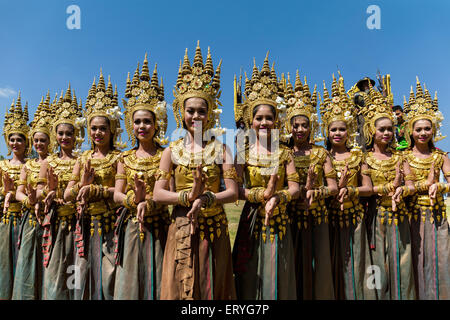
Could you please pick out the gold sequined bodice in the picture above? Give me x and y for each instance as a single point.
(33, 169)
(187, 161)
(105, 168)
(13, 170)
(258, 170)
(145, 168)
(63, 170)
(354, 166)
(421, 167)
(382, 171)
(317, 158)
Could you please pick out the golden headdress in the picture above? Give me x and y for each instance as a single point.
(376, 107)
(103, 102)
(42, 121)
(68, 111)
(198, 81)
(300, 103)
(421, 106)
(262, 88)
(144, 93)
(338, 108)
(16, 122)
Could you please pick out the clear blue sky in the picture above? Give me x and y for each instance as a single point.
(39, 53)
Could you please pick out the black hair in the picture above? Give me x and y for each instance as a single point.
(397, 107)
(272, 109)
(20, 135)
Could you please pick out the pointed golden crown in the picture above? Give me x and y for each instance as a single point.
(262, 88)
(300, 102)
(421, 106)
(338, 108)
(103, 102)
(376, 107)
(145, 93)
(16, 120)
(200, 81)
(68, 111)
(43, 118)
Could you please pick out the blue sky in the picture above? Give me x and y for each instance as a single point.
(39, 53)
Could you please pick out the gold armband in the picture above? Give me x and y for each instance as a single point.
(74, 178)
(21, 182)
(410, 177)
(162, 175)
(421, 186)
(293, 177)
(285, 196)
(405, 191)
(230, 174)
(42, 180)
(366, 172)
(120, 176)
(128, 202)
(256, 195)
(183, 198)
(447, 174)
(74, 190)
(211, 199)
(332, 174)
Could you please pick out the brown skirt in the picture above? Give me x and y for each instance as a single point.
(196, 267)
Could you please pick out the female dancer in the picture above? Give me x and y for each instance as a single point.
(142, 226)
(263, 254)
(92, 184)
(429, 224)
(29, 271)
(59, 222)
(15, 131)
(310, 223)
(390, 249)
(350, 250)
(197, 257)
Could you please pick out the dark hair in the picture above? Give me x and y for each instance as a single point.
(111, 139)
(272, 109)
(290, 142)
(19, 134)
(73, 128)
(397, 107)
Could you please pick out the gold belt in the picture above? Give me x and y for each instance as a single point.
(66, 210)
(211, 212)
(15, 207)
(97, 208)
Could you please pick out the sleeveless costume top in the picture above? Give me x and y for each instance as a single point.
(15, 207)
(420, 169)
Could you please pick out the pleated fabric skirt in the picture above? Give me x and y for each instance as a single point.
(29, 269)
(9, 236)
(61, 275)
(391, 268)
(198, 266)
(430, 251)
(94, 258)
(139, 268)
(263, 265)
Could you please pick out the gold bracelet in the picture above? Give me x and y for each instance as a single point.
(74, 178)
(211, 199)
(162, 175)
(410, 177)
(21, 182)
(405, 191)
(183, 198)
(230, 174)
(120, 177)
(105, 194)
(26, 203)
(150, 204)
(129, 201)
(42, 180)
(332, 174)
(293, 177)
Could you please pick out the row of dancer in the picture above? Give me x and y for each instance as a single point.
(329, 223)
